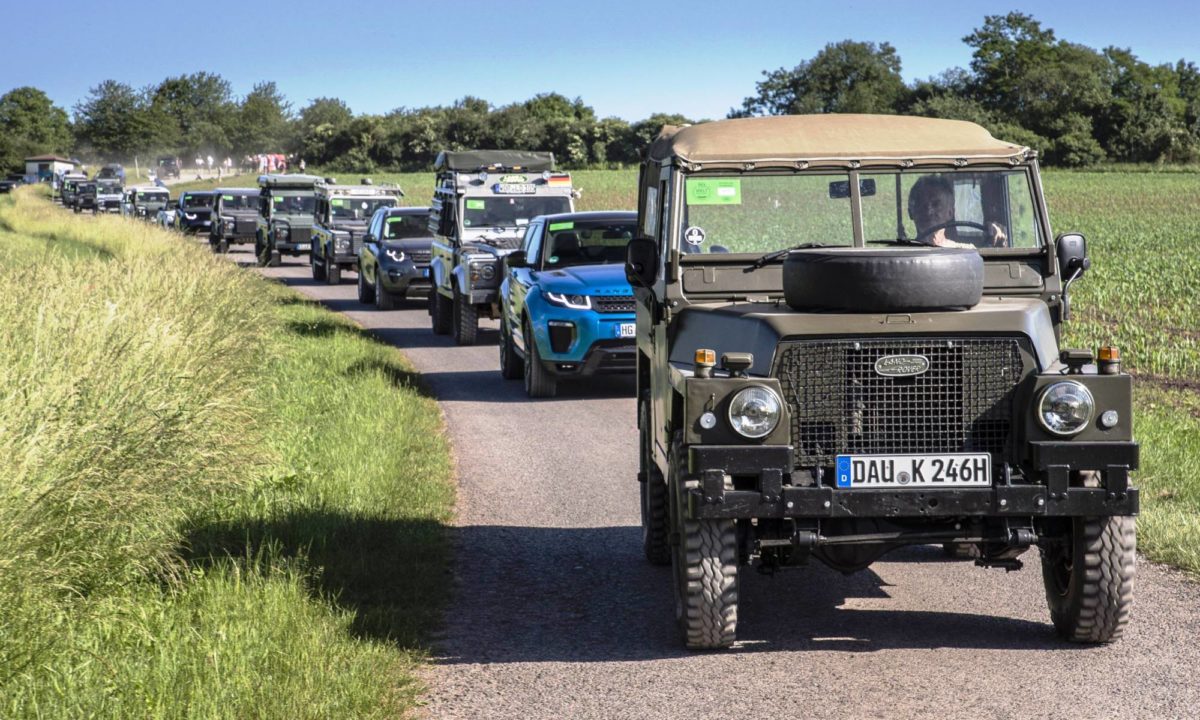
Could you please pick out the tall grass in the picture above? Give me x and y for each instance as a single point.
(177, 538)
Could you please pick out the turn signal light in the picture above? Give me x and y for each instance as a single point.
(1108, 360)
(1108, 353)
(706, 360)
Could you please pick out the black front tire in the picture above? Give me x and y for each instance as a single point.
(466, 320)
(539, 382)
(318, 268)
(1089, 578)
(275, 259)
(439, 313)
(384, 300)
(656, 516)
(510, 361)
(333, 272)
(222, 246)
(366, 293)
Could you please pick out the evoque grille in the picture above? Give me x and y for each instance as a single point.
(840, 404)
(614, 303)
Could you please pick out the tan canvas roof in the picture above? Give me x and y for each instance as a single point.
(832, 139)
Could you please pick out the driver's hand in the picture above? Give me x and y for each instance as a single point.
(996, 235)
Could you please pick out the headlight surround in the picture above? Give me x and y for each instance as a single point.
(394, 254)
(341, 245)
(1065, 408)
(754, 411)
(574, 302)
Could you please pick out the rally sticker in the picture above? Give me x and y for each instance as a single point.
(555, 227)
(475, 205)
(694, 235)
(704, 191)
(336, 202)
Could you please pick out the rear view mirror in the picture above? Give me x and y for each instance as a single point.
(1073, 262)
(641, 262)
(516, 259)
(841, 188)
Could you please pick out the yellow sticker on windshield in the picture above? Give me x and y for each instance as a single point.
(705, 191)
(475, 205)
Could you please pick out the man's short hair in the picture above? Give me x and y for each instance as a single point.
(927, 184)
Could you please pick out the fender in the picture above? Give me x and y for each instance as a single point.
(461, 280)
(437, 273)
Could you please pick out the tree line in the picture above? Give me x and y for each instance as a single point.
(1076, 105)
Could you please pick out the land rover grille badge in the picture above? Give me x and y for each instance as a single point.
(901, 365)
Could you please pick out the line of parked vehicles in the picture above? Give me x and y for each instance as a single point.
(845, 332)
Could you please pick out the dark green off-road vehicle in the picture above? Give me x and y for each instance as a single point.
(284, 224)
(483, 201)
(848, 342)
(341, 218)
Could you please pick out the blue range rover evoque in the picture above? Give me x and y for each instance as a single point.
(566, 308)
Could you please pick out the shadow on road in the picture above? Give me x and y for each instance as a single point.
(531, 594)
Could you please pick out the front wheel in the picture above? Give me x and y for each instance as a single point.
(318, 270)
(656, 518)
(539, 382)
(439, 313)
(366, 293)
(466, 320)
(704, 564)
(333, 272)
(1089, 578)
(510, 361)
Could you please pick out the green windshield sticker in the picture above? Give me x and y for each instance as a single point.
(337, 202)
(475, 205)
(393, 221)
(555, 227)
(226, 197)
(278, 200)
(703, 191)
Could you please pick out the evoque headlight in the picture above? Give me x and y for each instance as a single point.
(1065, 408)
(754, 411)
(394, 254)
(575, 302)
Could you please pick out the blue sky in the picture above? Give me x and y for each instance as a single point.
(627, 58)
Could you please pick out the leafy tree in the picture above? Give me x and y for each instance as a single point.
(263, 122)
(844, 77)
(113, 121)
(202, 109)
(30, 124)
(318, 123)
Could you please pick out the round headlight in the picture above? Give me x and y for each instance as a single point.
(487, 272)
(1065, 408)
(754, 411)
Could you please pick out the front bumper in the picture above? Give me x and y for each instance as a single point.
(195, 226)
(582, 342)
(291, 248)
(405, 278)
(1053, 496)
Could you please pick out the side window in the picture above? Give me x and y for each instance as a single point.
(533, 248)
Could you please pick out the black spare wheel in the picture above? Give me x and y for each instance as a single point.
(906, 279)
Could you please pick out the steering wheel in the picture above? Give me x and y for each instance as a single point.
(943, 226)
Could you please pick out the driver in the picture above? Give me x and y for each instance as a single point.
(931, 207)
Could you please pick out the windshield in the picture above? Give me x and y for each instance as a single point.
(295, 204)
(763, 213)
(197, 201)
(153, 197)
(586, 243)
(358, 208)
(108, 188)
(239, 202)
(403, 227)
(510, 211)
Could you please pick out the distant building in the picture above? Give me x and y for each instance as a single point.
(40, 168)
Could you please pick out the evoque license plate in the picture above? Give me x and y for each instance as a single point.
(918, 472)
(627, 330)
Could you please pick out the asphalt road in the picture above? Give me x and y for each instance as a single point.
(556, 615)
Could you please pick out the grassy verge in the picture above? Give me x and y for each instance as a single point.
(219, 500)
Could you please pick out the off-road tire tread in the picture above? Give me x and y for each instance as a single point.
(366, 293)
(711, 599)
(656, 519)
(333, 273)
(465, 321)
(384, 300)
(318, 269)
(439, 314)
(1099, 608)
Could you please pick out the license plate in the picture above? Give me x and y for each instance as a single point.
(917, 472)
(627, 330)
(303, 246)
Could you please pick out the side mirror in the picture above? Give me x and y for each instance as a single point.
(516, 259)
(1073, 262)
(368, 237)
(641, 262)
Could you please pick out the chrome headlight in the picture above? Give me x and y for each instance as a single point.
(755, 411)
(1065, 408)
(487, 272)
(575, 302)
(281, 232)
(341, 245)
(394, 255)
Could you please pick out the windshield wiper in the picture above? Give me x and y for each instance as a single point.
(900, 241)
(780, 253)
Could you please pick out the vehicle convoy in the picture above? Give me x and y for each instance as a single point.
(109, 194)
(235, 213)
(340, 221)
(84, 197)
(70, 188)
(393, 262)
(482, 202)
(168, 167)
(566, 307)
(145, 201)
(848, 342)
(192, 212)
(284, 222)
(111, 171)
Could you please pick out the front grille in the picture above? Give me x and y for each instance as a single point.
(300, 235)
(614, 303)
(840, 404)
(421, 257)
(245, 226)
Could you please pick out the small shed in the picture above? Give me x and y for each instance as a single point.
(44, 167)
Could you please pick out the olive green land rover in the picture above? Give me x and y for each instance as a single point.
(848, 335)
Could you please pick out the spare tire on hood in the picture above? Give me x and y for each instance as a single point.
(904, 279)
